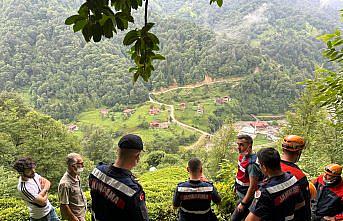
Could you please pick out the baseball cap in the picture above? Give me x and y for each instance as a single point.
(131, 141)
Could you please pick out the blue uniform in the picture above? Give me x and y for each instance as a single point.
(116, 195)
(194, 199)
(278, 198)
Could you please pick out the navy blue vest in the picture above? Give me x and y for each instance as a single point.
(194, 199)
(116, 195)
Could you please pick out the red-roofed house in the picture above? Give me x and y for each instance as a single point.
(154, 111)
(128, 112)
(259, 124)
(103, 112)
(72, 128)
(156, 124)
(220, 101)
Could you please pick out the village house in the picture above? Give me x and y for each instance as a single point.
(259, 124)
(154, 111)
(248, 130)
(72, 128)
(128, 112)
(226, 99)
(222, 100)
(183, 106)
(200, 110)
(160, 125)
(104, 112)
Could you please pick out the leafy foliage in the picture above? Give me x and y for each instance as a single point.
(30, 133)
(311, 121)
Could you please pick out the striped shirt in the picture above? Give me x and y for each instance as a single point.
(28, 191)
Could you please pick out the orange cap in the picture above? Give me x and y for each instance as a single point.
(293, 143)
(333, 169)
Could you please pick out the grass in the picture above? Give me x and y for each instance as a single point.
(203, 96)
(190, 116)
(205, 92)
(132, 123)
(261, 140)
(120, 121)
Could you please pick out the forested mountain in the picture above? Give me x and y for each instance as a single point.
(271, 43)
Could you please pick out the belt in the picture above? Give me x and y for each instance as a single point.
(198, 212)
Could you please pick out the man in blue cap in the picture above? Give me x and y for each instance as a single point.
(116, 195)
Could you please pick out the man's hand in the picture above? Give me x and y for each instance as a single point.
(240, 207)
(45, 184)
(330, 218)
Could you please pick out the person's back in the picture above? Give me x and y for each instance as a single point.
(278, 194)
(279, 197)
(116, 195)
(109, 183)
(193, 197)
(292, 147)
(303, 214)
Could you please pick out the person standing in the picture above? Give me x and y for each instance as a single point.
(73, 203)
(193, 197)
(33, 189)
(292, 147)
(280, 195)
(329, 201)
(116, 194)
(247, 177)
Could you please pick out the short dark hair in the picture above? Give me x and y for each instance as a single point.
(24, 163)
(270, 158)
(245, 137)
(194, 164)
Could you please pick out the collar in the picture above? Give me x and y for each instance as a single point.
(120, 170)
(77, 179)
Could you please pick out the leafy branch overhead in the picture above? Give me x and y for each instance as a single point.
(96, 19)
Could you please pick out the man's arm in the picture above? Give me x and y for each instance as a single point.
(252, 217)
(65, 209)
(41, 200)
(63, 195)
(215, 196)
(250, 193)
(176, 199)
(42, 197)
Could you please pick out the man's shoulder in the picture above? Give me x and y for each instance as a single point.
(65, 180)
(184, 183)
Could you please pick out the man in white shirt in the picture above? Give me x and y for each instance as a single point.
(33, 189)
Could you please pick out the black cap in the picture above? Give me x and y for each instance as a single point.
(131, 141)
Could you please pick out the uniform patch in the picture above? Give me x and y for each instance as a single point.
(257, 194)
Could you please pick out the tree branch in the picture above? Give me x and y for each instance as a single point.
(146, 13)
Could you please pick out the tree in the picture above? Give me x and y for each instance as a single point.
(25, 132)
(312, 122)
(98, 144)
(96, 19)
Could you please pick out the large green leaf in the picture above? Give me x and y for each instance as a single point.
(79, 25)
(97, 32)
(73, 19)
(130, 37)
